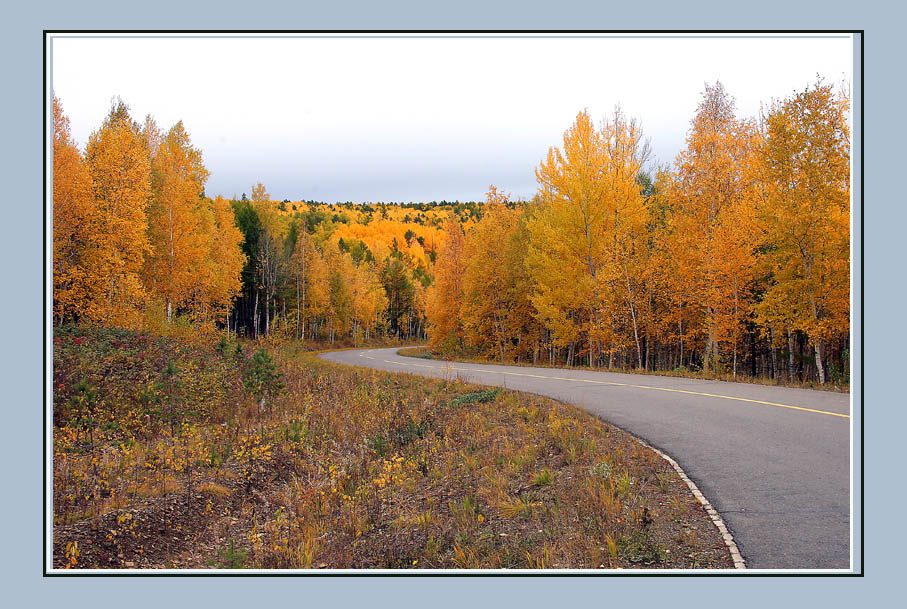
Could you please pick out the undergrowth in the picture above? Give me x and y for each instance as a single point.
(170, 452)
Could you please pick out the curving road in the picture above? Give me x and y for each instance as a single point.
(775, 462)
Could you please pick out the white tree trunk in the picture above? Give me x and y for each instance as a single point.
(255, 316)
(820, 354)
(790, 354)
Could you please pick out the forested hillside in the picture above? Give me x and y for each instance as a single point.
(734, 259)
(139, 244)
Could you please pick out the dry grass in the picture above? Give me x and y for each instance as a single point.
(355, 468)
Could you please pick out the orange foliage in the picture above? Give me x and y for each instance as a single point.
(117, 238)
(444, 299)
(72, 222)
(713, 233)
(180, 223)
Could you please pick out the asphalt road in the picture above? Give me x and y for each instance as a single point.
(774, 462)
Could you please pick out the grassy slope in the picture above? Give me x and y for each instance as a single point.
(347, 468)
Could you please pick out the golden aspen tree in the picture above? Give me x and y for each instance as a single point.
(119, 165)
(417, 310)
(368, 299)
(713, 235)
(496, 313)
(584, 233)
(318, 291)
(566, 252)
(269, 256)
(198, 303)
(667, 312)
(260, 193)
(299, 264)
(339, 305)
(73, 223)
(625, 228)
(523, 329)
(644, 276)
(377, 307)
(484, 308)
(444, 302)
(225, 258)
(806, 216)
(179, 244)
(311, 280)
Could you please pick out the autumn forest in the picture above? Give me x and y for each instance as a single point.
(733, 260)
(194, 425)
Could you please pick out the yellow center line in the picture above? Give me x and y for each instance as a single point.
(560, 378)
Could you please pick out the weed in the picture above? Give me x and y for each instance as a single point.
(409, 433)
(72, 554)
(678, 507)
(464, 558)
(232, 557)
(465, 512)
(641, 548)
(542, 560)
(378, 443)
(295, 431)
(571, 456)
(543, 478)
(476, 397)
(624, 483)
(217, 455)
(601, 470)
(522, 507)
(612, 546)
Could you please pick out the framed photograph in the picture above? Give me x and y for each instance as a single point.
(444, 303)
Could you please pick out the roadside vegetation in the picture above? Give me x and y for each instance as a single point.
(423, 352)
(196, 450)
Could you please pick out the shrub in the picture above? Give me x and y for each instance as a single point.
(261, 378)
(232, 557)
(476, 397)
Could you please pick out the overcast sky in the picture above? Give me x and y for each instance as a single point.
(416, 119)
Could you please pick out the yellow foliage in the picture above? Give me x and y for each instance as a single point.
(116, 240)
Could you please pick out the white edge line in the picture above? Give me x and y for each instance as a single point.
(736, 556)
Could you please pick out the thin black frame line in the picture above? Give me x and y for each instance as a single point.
(656, 33)
(44, 206)
(862, 307)
(408, 573)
